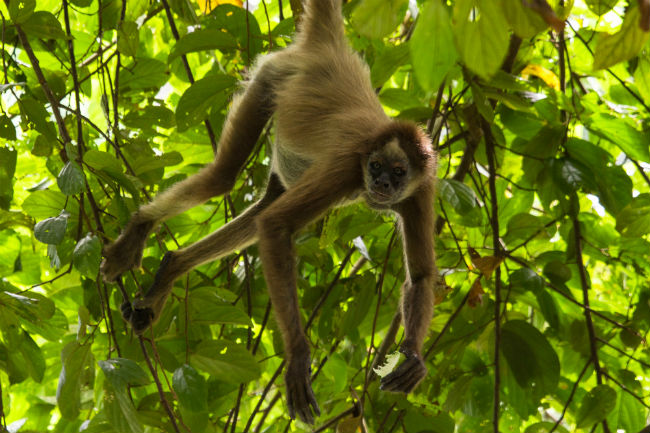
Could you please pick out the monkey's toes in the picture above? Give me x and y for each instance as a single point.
(406, 377)
(301, 401)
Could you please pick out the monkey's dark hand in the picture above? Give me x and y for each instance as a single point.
(126, 252)
(300, 396)
(146, 310)
(140, 318)
(406, 377)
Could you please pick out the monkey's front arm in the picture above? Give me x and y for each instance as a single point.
(417, 226)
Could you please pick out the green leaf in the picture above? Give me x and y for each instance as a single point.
(44, 25)
(107, 164)
(8, 160)
(191, 388)
(117, 400)
(595, 406)
(38, 115)
(42, 146)
(458, 195)
(75, 358)
(71, 179)
(600, 7)
(144, 74)
(527, 279)
(194, 105)
(241, 24)
(203, 40)
(387, 62)
(525, 22)
(44, 203)
(34, 361)
(622, 134)
(124, 371)
(150, 116)
(544, 427)
(377, 18)
(634, 220)
(52, 230)
(531, 358)
(481, 34)
(623, 45)
(86, 256)
(20, 10)
(7, 128)
(146, 163)
(206, 306)
(642, 75)
(432, 46)
(128, 38)
(226, 361)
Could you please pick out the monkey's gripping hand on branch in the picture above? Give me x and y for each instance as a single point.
(405, 377)
(300, 396)
(145, 311)
(126, 252)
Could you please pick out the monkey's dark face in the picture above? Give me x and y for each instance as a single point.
(386, 175)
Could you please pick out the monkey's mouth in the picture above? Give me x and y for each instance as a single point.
(379, 197)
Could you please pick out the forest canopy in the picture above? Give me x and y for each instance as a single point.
(539, 111)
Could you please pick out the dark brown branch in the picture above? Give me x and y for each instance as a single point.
(188, 71)
(63, 132)
(161, 391)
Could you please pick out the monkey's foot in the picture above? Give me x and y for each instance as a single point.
(140, 318)
(300, 396)
(126, 252)
(145, 311)
(406, 377)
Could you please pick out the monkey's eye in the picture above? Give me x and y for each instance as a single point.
(375, 165)
(398, 171)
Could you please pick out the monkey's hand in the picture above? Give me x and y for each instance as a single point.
(406, 377)
(300, 396)
(143, 312)
(126, 252)
(140, 317)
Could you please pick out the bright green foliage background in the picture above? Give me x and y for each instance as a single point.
(544, 144)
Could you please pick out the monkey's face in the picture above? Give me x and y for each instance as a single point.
(386, 175)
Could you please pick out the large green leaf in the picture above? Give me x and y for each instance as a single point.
(595, 406)
(226, 361)
(481, 35)
(75, 358)
(87, 255)
(200, 97)
(634, 219)
(203, 40)
(42, 24)
(432, 46)
(623, 45)
(191, 388)
(530, 357)
(71, 179)
(52, 230)
(378, 18)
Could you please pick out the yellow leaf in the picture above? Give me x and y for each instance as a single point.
(542, 73)
(208, 6)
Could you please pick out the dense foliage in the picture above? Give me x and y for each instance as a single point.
(543, 220)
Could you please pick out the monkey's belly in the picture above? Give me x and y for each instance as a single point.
(288, 165)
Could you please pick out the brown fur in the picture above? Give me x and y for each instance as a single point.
(329, 121)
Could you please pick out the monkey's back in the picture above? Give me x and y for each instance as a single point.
(326, 102)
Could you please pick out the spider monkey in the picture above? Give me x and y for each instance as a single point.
(334, 145)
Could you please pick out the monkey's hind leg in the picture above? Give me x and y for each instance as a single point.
(250, 111)
(237, 234)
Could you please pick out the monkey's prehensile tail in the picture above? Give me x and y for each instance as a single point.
(322, 23)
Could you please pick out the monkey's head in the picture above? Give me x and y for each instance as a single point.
(399, 158)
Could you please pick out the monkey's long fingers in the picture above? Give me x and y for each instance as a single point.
(406, 377)
(301, 401)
